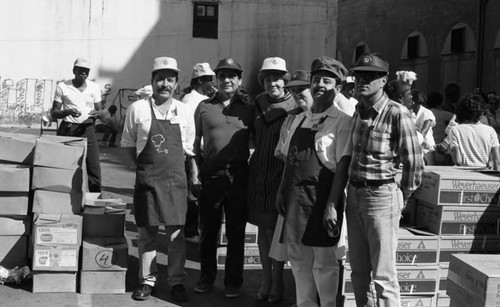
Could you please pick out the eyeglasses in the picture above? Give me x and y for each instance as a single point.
(368, 75)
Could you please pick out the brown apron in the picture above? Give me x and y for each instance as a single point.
(160, 186)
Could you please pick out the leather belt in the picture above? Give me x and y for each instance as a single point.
(370, 183)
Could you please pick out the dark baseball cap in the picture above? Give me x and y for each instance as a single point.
(328, 64)
(300, 78)
(371, 62)
(228, 63)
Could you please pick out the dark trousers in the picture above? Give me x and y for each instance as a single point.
(107, 130)
(228, 192)
(191, 226)
(86, 130)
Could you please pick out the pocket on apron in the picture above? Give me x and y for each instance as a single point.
(144, 180)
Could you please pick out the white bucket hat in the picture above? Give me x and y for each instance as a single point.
(82, 62)
(202, 69)
(165, 63)
(274, 63)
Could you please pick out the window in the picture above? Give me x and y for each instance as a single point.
(412, 47)
(457, 40)
(205, 20)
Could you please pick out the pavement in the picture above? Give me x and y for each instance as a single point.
(118, 175)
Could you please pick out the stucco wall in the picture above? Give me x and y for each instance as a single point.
(41, 39)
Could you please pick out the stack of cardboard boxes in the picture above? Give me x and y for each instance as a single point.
(105, 249)
(59, 183)
(461, 207)
(251, 258)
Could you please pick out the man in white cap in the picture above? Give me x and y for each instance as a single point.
(77, 102)
(202, 80)
(159, 134)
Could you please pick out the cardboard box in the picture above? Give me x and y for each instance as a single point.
(60, 152)
(104, 254)
(52, 229)
(57, 179)
(251, 232)
(51, 202)
(443, 277)
(251, 258)
(102, 282)
(15, 246)
(16, 203)
(413, 279)
(450, 185)
(415, 247)
(479, 275)
(56, 258)
(17, 147)
(449, 245)
(93, 199)
(458, 220)
(406, 301)
(443, 300)
(104, 221)
(14, 178)
(54, 282)
(462, 297)
(15, 225)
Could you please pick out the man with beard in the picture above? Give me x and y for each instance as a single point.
(224, 122)
(310, 196)
(383, 137)
(159, 135)
(77, 102)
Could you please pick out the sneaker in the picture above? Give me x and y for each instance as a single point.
(202, 287)
(143, 293)
(232, 292)
(179, 293)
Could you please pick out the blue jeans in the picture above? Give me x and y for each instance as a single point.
(373, 215)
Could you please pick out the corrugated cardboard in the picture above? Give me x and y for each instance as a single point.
(103, 221)
(102, 282)
(50, 229)
(57, 202)
(450, 185)
(55, 258)
(54, 282)
(467, 244)
(15, 246)
(57, 179)
(14, 203)
(251, 232)
(413, 279)
(415, 247)
(443, 300)
(443, 277)
(15, 225)
(406, 301)
(104, 254)
(251, 257)
(17, 147)
(67, 154)
(14, 178)
(479, 274)
(462, 297)
(458, 220)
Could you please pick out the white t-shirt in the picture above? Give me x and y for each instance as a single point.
(193, 98)
(421, 117)
(474, 141)
(71, 97)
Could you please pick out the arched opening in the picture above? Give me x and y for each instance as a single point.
(414, 57)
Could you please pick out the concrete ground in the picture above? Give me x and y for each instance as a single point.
(118, 180)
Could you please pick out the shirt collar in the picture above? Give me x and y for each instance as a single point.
(332, 111)
(377, 107)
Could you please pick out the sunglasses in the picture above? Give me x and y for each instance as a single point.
(368, 75)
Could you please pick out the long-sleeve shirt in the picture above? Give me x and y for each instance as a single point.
(384, 136)
(138, 123)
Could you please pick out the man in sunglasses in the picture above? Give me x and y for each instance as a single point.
(383, 137)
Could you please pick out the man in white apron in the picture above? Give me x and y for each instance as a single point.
(159, 134)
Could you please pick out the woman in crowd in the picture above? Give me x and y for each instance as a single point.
(272, 107)
(424, 122)
(471, 142)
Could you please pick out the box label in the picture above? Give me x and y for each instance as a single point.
(56, 235)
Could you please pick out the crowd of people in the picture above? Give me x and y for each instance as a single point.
(317, 146)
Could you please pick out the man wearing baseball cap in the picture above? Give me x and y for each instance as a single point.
(159, 135)
(317, 150)
(201, 85)
(224, 122)
(77, 102)
(383, 137)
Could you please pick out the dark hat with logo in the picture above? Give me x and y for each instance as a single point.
(300, 78)
(328, 64)
(371, 62)
(228, 63)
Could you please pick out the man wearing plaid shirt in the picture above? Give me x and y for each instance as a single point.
(384, 137)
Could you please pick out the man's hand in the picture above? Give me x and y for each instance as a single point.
(330, 220)
(96, 113)
(74, 112)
